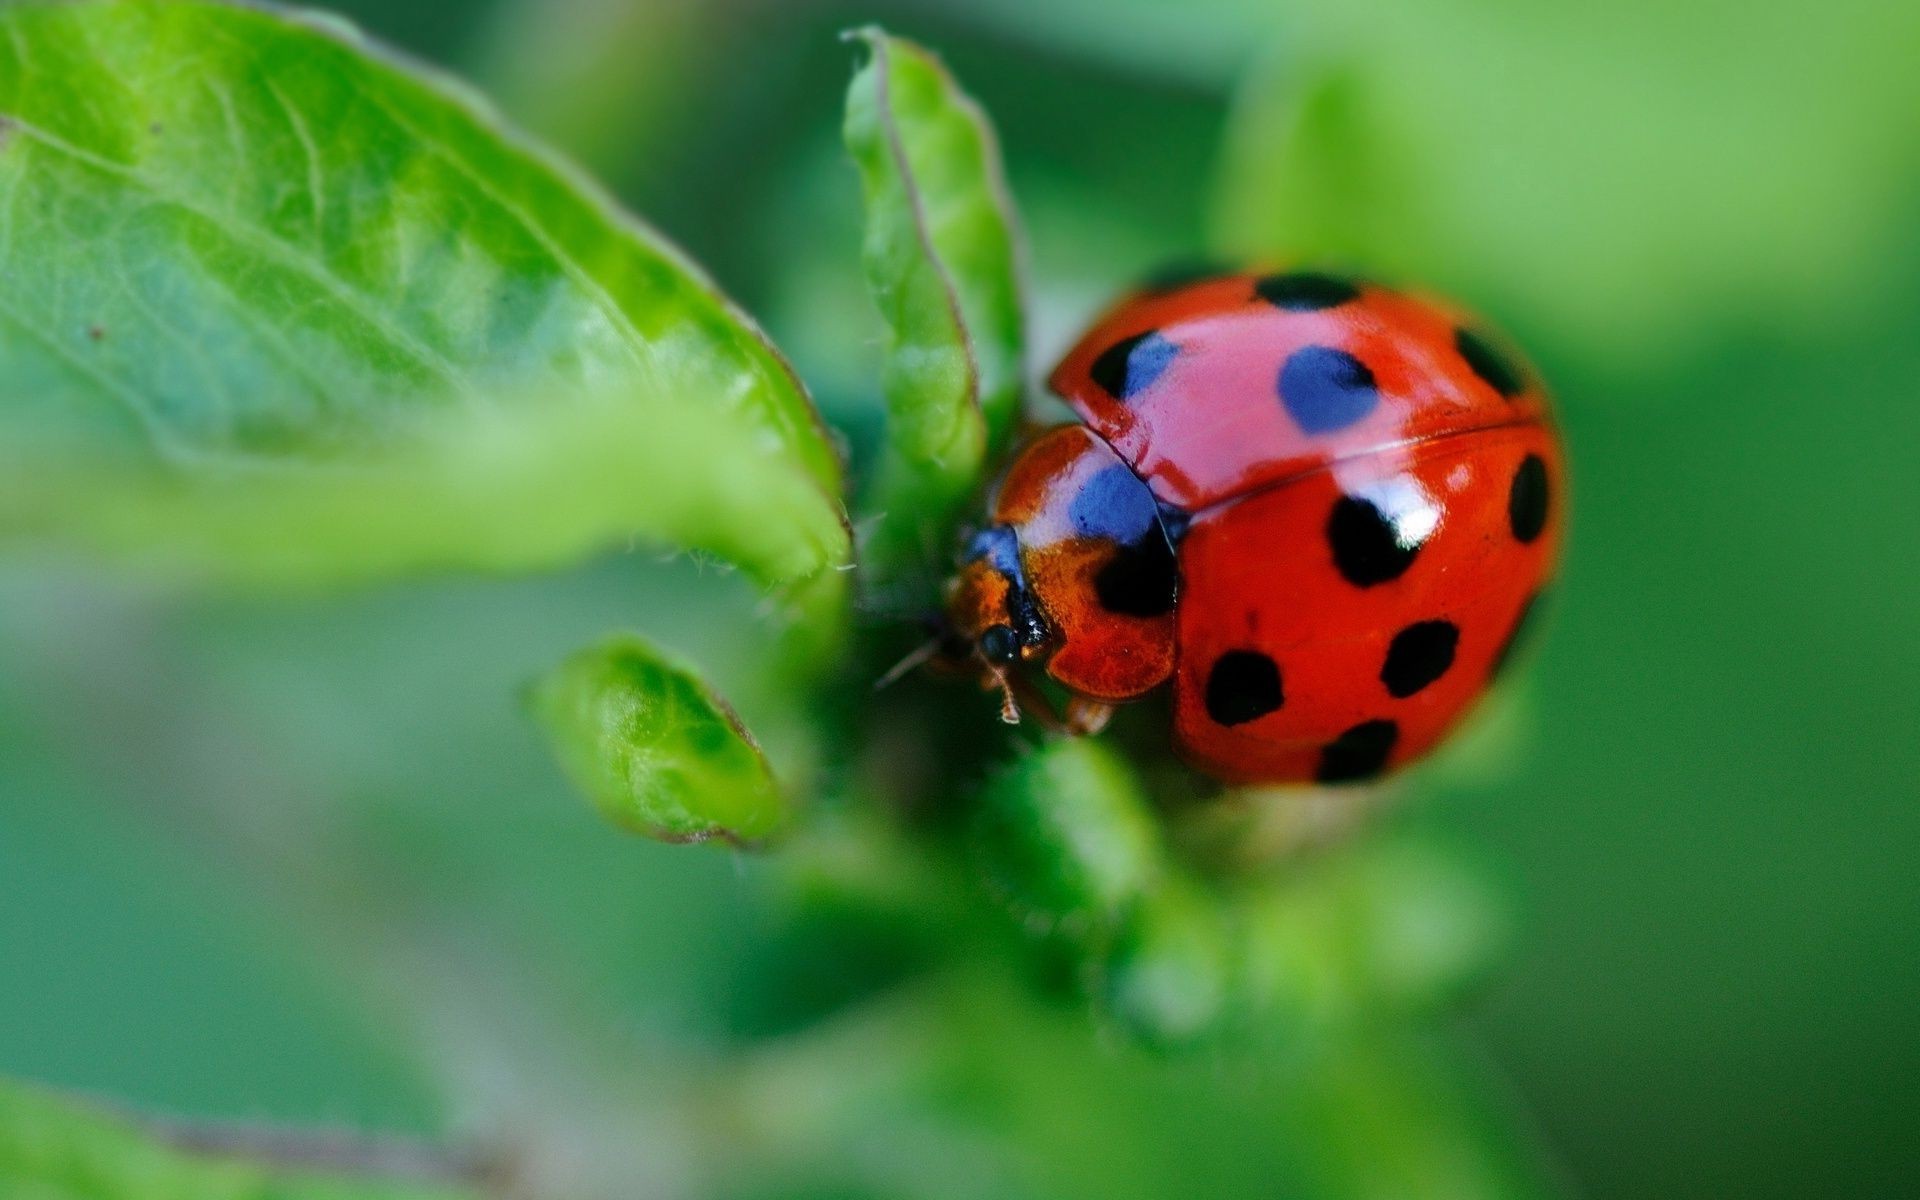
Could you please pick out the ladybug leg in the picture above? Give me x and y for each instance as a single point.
(1020, 697)
(1084, 716)
(1081, 718)
(1009, 702)
(1012, 691)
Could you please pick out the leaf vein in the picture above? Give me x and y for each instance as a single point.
(631, 340)
(130, 398)
(316, 189)
(258, 241)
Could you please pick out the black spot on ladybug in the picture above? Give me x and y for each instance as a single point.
(1325, 389)
(1418, 655)
(1130, 365)
(1305, 291)
(1115, 505)
(1244, 685)
(1139, 581)
(1516, 637)
(1359, 753)
(1489, 363)
(1527, 499)
(1171, 277)
(1000, 645)
(1367, 545)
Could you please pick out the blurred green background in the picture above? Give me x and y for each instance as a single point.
(301, 858)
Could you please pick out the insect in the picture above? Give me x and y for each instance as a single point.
(1321, 510)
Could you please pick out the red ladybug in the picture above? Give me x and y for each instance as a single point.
(1321, 509)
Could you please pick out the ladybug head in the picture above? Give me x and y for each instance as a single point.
(992, 622)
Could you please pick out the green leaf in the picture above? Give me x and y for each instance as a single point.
(1170, 979)
(499, 489)
(1384, 925)
(660, 754)
(1600, 176)
(1197, 45)
(54, 1149)
(616, 85)
(1309, 176)
(1404, 1114)
(1067, 840)
(942, 264)
(281, 306)
(1307, 950)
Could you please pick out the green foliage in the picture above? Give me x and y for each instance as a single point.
(1604, 176)
(1176, 952)
(1067, 839)
(53, 1149)
(336, 321)
(1201, 43)
(941, 261)
(1169, 979)
(655, 749)
(500, 490)
(1399, 1115)
(566, 69)
(1307, 949)
(286, 309)
(1308, 176)
(1395, 927)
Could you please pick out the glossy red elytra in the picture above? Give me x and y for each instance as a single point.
(1320, 509)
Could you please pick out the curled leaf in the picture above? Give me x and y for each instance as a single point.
(1068, 841)
(279, 305)
(655, 749)
(942, 264)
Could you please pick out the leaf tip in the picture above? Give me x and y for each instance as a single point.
(656, 749)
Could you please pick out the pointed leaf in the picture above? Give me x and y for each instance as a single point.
(289, 307)
(655, 748)
(942, 263)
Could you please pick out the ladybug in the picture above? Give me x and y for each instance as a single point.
(1318, 509)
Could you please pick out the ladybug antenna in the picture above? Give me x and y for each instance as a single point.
(916, 657)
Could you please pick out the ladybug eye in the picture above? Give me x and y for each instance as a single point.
(999, 645)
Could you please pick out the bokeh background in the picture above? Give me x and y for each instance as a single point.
(301, 858)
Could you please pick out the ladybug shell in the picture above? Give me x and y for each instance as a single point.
(1230, 384)
(1363, 495)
